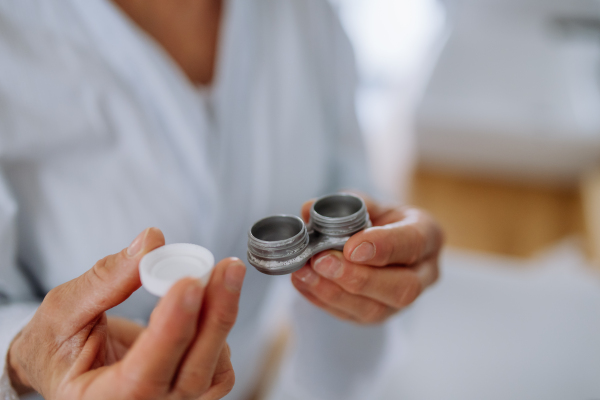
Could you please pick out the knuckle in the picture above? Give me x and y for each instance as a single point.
(195, 378)
(397, 299)
(54, 302)
(220, 390)
(53, 297)
(407, 250)
(357, 280)
(226, 382)
(191, 386)
(99, 272)
(375, 313)
(418, 244)
(224, 319)
(331, 294)
(138, 388)
(408, 292)
(179, 338)
(182, 339)
(222, 383)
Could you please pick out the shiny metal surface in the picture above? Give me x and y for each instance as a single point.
(282, 244)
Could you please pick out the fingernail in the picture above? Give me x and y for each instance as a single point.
(136, 246)
(234, 276)
(329, 266)
(364, 252)
(307, 275)
(193, 296)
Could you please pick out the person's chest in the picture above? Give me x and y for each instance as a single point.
(146, 154)
(188, 31)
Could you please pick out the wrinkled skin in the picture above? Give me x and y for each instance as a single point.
(381, 269)
(70, 349)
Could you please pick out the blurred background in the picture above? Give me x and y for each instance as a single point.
(487, 114)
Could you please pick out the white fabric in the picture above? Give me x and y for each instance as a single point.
(500, 328)
(13, 319)
(101, 135)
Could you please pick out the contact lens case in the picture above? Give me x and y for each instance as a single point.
(282, 244)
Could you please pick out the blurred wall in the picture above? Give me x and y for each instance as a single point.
(515, 93)
(395, 42)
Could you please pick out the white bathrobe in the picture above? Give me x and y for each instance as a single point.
(101, 136)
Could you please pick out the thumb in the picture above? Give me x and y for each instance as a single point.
(110, 282)
(305, 212)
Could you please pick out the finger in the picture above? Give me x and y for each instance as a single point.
(124, 330)
(156, 355)
(92, 351)
(395, 286)
(407, 241)
(110, 282)
(223, 378)
(363, 309)
(322, 305)
(305, 211)
(427, 271)
(219, 313)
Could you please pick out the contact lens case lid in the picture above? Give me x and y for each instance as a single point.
(162, 267)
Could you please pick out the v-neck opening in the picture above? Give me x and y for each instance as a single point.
(210, 88)
(207, 90)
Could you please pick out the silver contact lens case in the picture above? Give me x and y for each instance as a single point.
(282, 244)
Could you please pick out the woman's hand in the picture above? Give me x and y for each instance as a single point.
(381, 270)
(71, 350)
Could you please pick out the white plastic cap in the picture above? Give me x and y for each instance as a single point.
(162, 267)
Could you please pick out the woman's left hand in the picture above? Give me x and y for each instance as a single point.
(381, 270)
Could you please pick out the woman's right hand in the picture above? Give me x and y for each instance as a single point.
(70, 350)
